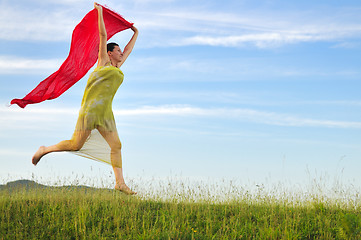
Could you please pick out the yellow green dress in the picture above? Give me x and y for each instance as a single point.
(96, 111)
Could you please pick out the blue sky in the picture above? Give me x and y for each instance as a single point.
(253, 90)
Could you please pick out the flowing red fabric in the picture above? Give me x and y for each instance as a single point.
(82, 56)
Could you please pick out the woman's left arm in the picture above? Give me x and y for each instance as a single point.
(129, 47)
(102, 54)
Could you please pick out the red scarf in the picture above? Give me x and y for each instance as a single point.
(82, 56)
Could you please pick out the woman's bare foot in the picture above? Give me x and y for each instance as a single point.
(124, 188)
(38, 155)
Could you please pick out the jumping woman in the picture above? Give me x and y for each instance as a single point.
(96, 107)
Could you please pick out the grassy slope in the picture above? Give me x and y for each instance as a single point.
(79, 213)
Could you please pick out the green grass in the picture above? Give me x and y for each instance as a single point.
(80, 213)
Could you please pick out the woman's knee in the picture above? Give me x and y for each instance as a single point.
(71, 146)
(75, 145)
(116, 147)
(78, 140)
(68, 145)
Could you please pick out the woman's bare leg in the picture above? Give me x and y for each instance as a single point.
(75, 143)
(112, 139)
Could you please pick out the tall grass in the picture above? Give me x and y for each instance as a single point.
(177, 210)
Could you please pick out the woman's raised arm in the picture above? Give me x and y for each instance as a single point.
(102, 55)
(129, 47)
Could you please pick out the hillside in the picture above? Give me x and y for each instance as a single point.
(29, 184)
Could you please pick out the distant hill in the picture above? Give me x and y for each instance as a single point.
(22, 184)
(28, 184)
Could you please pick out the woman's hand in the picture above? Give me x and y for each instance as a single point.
(134, 29)
(129, 47)
(97, 6)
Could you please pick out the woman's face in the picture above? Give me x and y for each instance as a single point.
(116, 54)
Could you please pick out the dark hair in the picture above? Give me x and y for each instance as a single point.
(110, 46)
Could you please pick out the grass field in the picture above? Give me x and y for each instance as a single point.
(88, 213)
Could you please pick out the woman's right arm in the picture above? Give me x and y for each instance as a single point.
(102, 55)
(129, 47)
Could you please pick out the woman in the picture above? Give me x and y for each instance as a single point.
(96, 108)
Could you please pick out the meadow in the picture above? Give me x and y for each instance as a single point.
(75, 212)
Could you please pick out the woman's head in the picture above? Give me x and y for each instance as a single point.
(114, 52)
(111, 46)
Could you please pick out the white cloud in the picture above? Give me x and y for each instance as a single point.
(261, 40)
(347, 45)
(14, 153)
(249, 115)
(65, 2)
(20, 65)
(18, 24)
(232, 69)
(237, 114)
(181, 27)
(263, 30)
